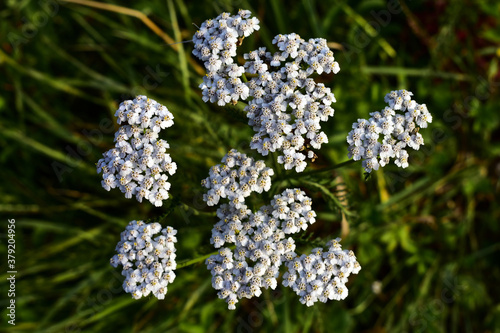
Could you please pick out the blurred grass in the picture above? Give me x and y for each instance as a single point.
(429, 233)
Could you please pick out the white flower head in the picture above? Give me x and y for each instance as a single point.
(260, 241)
(287, 107)
(138, 164)
(321, 275)
(236, 178)
(147, 254)
(261, 244)
(382, 137)
(215, 44)
(285, 102)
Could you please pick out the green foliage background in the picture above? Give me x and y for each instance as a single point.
(428, 234)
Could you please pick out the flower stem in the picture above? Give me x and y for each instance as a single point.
(313, 172)
(197, 260)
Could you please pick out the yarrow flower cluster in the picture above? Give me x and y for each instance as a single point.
(288, 105)
(215, 44)
(398, 131)
(139, 163)
(260, 238)
(148, 263)
(321, 276)
(236, 179)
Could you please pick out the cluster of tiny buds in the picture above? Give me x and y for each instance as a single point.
(215, 44)
(236, 178)
(321, 276)
(148, 263)
(260, 238)
(288, 106)
(138, 164)
(398, 131)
